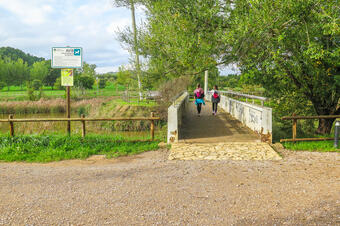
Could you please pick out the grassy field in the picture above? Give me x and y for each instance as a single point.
(320, 146)
(48, 148)
(17, 93)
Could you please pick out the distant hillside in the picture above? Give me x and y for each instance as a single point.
(15, 54)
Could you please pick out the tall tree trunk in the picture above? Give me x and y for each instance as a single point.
(325, 126)
(136, 48)
(322, 107)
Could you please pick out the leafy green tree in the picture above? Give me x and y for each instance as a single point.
(2, 70)
(39, 71)
(180, 38)
(291, 47)
(288, 47)
(89, 70)
(52, 75)
(8, 71)
(20, 72)
(131, 4)
(84, 81)
(124, 77)
(15, 54)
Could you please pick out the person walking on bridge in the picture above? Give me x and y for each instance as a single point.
(199, 98)
(215, 99)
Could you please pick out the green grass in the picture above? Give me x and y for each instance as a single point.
(48, 148)
(319, 146)
(16, 93)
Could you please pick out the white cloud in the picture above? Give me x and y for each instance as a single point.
(58, 39)
(106, 69)
(37, 25)
(29, 12)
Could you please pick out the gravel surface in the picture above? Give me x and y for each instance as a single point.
(148, 189)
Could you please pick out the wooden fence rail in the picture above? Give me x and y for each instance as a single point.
(294, 119)
(11, 120)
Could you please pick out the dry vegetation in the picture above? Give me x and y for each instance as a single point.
(47, 105)
(168, 91)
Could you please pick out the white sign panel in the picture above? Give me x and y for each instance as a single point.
(67, 57)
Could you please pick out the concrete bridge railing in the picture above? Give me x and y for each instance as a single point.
(175, 116)
(257, 118)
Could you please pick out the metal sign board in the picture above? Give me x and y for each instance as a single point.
(67, 57)
(67, 77)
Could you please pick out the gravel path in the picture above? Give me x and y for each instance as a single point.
(148, 189)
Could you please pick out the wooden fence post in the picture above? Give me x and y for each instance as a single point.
(68, 109)
(11, 126)
(83, 134)
(152, 127)
(294, 126)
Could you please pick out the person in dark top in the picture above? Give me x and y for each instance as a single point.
(215, 99)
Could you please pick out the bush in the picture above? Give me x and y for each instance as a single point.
(34, 94)
(84, 81)
(168, 92)
(36, 84)
(57, 84)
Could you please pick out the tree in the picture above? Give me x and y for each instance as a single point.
(124, 76)
(15, 54)
(180, 38)
(8, 72)
(84, 81)
(2, 70)
(52, 75)
(291, 47)
(20, 72)
(131, 4)
(39, 71)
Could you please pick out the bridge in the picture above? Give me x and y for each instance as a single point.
(239, 131)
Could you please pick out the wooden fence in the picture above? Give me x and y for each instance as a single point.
(11, 120)
(294, 119)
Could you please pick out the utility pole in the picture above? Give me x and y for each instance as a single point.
(136, 48)
(206, 82)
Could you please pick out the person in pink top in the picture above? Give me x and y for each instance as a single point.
(199, 98)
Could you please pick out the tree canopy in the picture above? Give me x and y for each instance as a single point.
(15, 54)
(289, 47)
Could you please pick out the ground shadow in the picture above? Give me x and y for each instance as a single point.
(217, 128)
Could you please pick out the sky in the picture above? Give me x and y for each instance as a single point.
(35, 26)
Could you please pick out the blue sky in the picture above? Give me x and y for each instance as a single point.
(35, 26)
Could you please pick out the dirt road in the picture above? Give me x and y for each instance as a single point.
(148, 189)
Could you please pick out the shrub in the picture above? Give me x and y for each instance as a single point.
(34, 94)
(36, 84)
(57, 84)
(168, 92)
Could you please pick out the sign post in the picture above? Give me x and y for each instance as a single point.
(67, 57)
